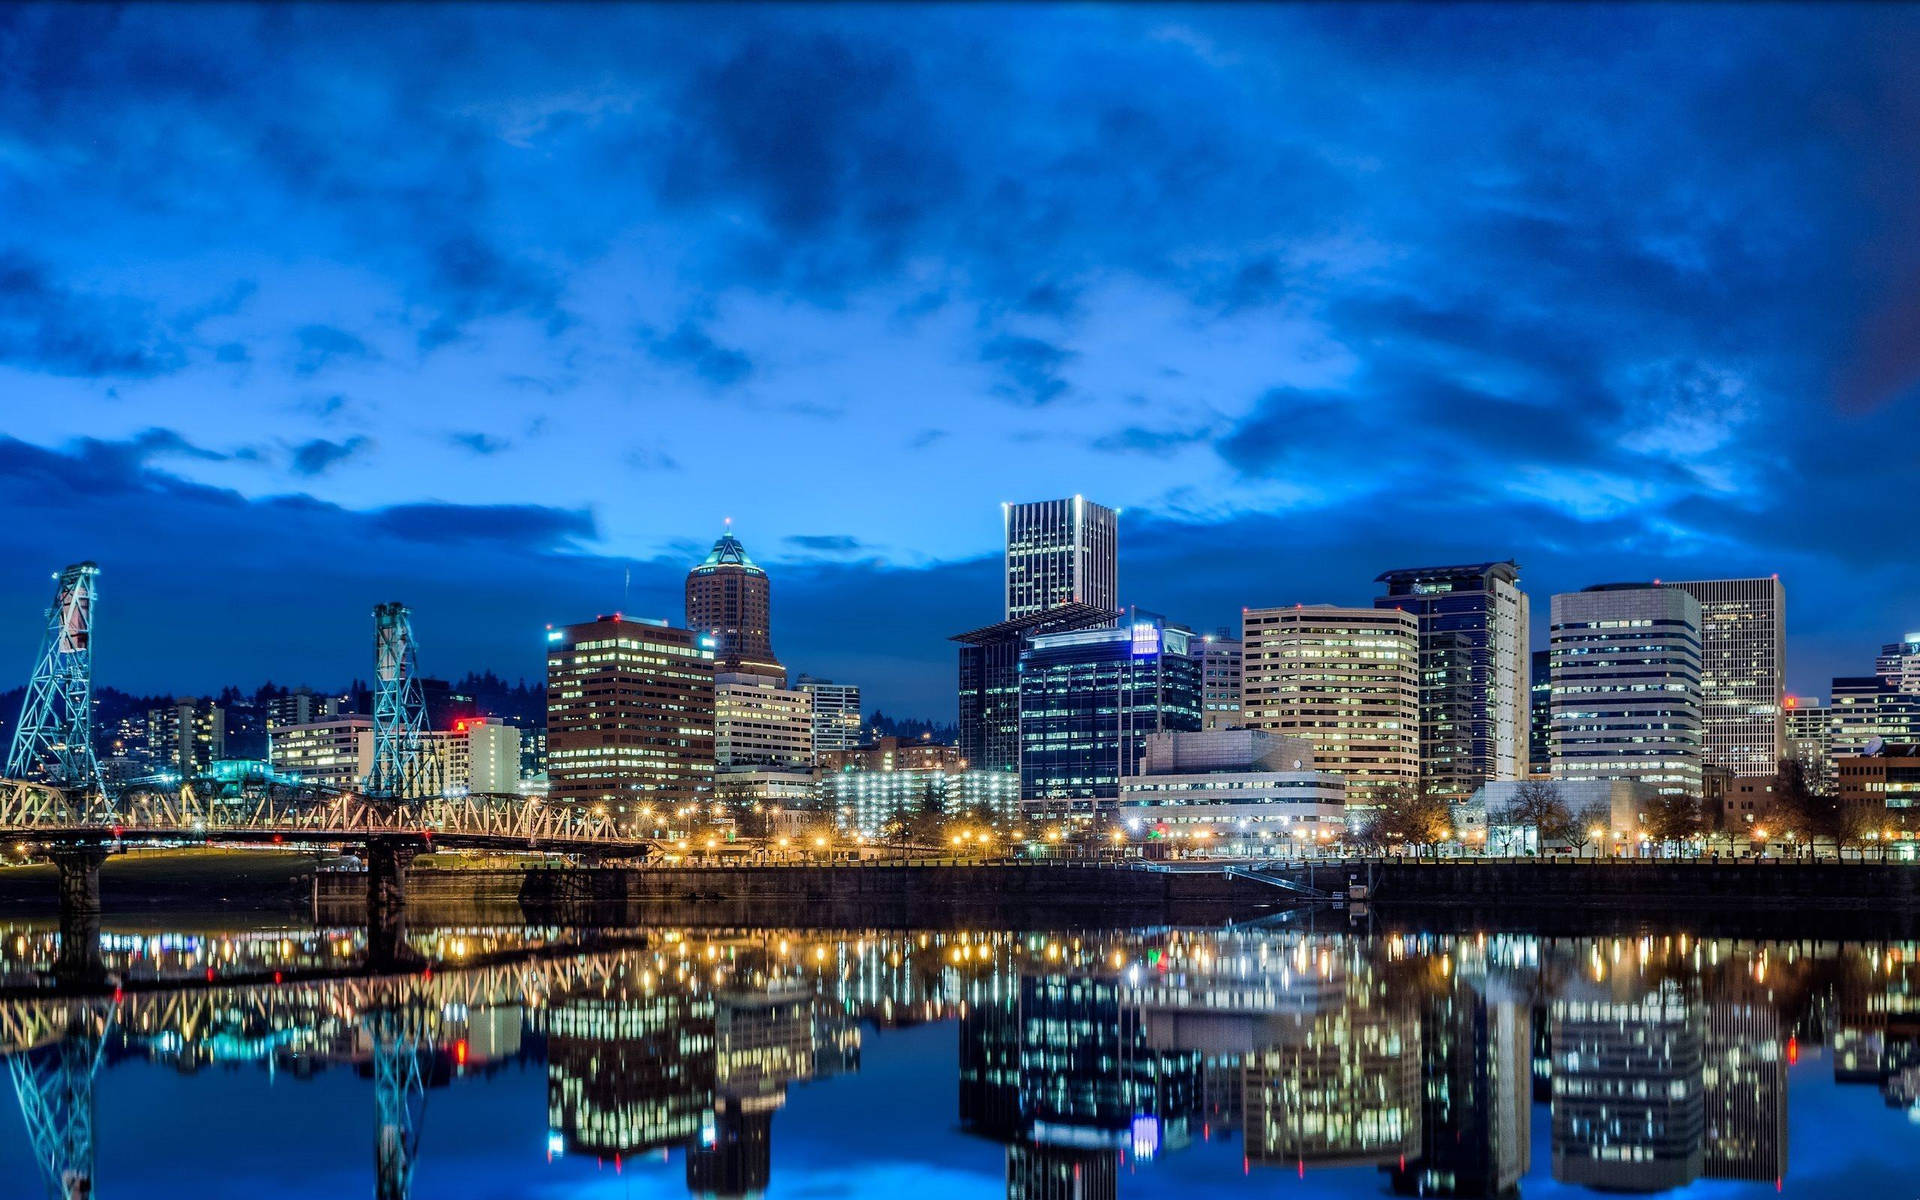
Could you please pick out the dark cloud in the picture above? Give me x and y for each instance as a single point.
(647, 458)
(523, 526)
(690, 346)
(1031, 368)
(317, 347)
(317, 456)
(1155, 443)
(469, 278)
(825, 543)
(482, 444)
(56, 330)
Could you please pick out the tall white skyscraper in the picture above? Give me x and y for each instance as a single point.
(1061, 552)
(836, 713)
(1626, 686)
(1743, 671)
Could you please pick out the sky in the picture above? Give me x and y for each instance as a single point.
(502, 311)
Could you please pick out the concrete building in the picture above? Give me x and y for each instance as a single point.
(758, 723)
(836, 713)
(1626, 686)
(476, 755)
(1474, 669)
(1885, 786)
(1236, 792)
(1061, 552)
(1743, 671)
(1866, 709)
(629, 714)
(730, 598)
(185, 737)
(1614, 806)
(1220, 681)
(1346, 680)
(336, 752)
(989, 693)
(1809, 739)
(1089, 699)
(896, 754)
(302, 706)
(1899, 664)
(867, 802)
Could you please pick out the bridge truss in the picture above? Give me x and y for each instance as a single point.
(55, 733)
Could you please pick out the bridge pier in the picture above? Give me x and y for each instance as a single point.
(388, 857)
(79, 957)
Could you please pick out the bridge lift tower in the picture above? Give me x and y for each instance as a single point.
(403, 768)
(55, 734)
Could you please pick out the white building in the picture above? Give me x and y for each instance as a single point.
(1626, 686)
(1743, 671)
(836, 713)
(1233, 791)
(493, 757)
(336, 752)
(758, 723)
(1061, 552)
(1612, 807)
(1346, 680)
(1220, 677)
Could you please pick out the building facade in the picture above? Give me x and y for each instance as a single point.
(730, 598)
(630, 714)
(1344, 679)
(1884, 787)
(989, 692)
(1743, 671)
(336, 752)
(1626, 686)
(896, 754)
(1474, 668)
(1865, 709)
(1088, 700)
(185, 737)
(1809, 736)
(836, 713)
(1220, 681)
(868, 802)
(1061, 552)
(1240, 792)
(1540, 715)
(757, 723)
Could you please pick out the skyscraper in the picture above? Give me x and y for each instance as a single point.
(1345, 679)
(1743, 671)
(1626, 685)
(629, 714)
(730, 598)
(1473, 671)
(758, 723)
(836, 714)
(990, 681)
(1061, 552)
(1540, 715)
(1220, 676)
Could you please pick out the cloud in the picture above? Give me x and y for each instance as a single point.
(529, 527)
(647, 458)
(690, 346)
(57, 330)
(317, 456)
(1030, 367)
(317, 347)
(824, 543)
(1154, 443)
(482, 444)
(469, 278)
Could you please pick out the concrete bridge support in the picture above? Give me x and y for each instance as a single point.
(388, 857)
(79, 959)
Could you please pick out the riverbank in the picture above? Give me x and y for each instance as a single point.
(258, 880)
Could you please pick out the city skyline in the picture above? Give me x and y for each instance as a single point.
(1555, 293)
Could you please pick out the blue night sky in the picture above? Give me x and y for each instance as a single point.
(479, 308)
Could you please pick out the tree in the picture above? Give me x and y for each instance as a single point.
(1674, 817)
(1408, 814)
(1536, 805)
(1593, 822)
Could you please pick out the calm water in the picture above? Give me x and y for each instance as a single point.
(1142, 1063)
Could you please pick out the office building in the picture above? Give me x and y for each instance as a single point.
(990, 681)
(1540, 716)
(1865, 709)
(1088, 700)
(1626, 686)
(1061, 552)
(1809, 736)
(730, 599)
(1899, 664)
(1608, 811)
(836, 713)
(1474, 665)
(303, 706)
(476, 755)
(335, 752)
(629, 714)
(185, 737)
(1220, 681)
(759, 723)
(870, 802)
(896, 754)
(1743, 671)
(1346, 680)
(1883, 786)
(1234, 791)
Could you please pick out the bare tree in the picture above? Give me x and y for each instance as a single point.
(1674, 817)
(1408, 814)
(1537, 805)
(1592, 823)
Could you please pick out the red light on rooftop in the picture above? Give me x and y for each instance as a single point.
(459, 726)
(1791, 702)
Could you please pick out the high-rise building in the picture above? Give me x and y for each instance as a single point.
(757, 723)
(1088, 700)
(1626, 686)
(476, 755)
(1867, 708)
(629, 714)
(1346, 680)
(1899, 664)
(1061, 552)
(1743, 671)
(335, 752)
(186, 736)
(836, 713)
(730, 598)
(1809, 739)
(1220, 681)
(1540, 715)
(1473, 671)
(990, 681)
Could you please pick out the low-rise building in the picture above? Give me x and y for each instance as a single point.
(895, 754)
(336, 752)
(1233, 791)
(1885, 786)
(867, 802)
(1607, 811)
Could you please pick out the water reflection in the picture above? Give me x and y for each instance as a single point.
(1088, 1056)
